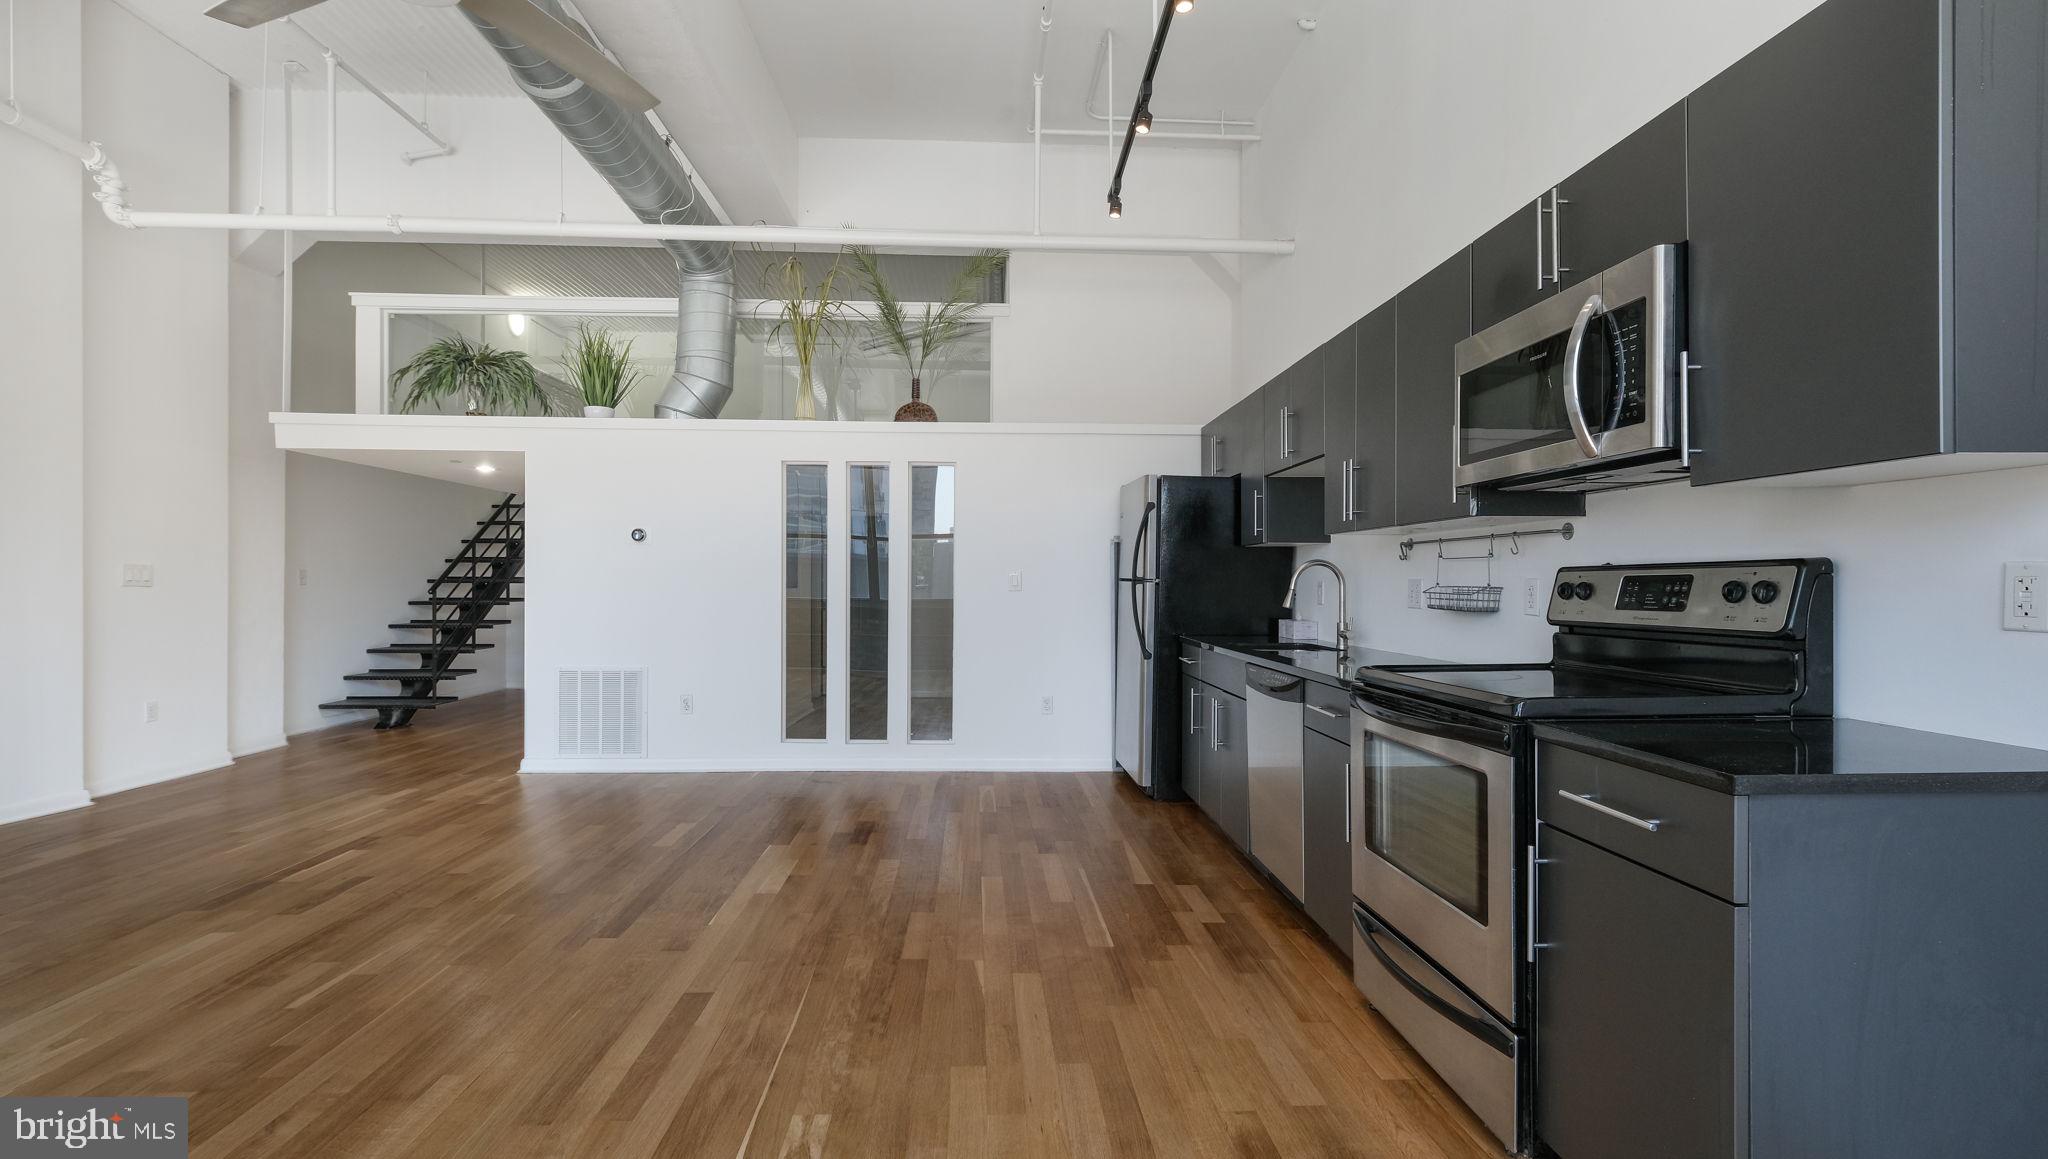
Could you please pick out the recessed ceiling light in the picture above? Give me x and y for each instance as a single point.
(485, 469)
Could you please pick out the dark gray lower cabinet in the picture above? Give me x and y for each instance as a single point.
(1194, 712)
(1638, 995)
(1226, 776)
(1325, 831)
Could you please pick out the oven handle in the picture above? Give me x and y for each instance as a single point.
(1574, 409)
(1479, 1028)
(1500, 739)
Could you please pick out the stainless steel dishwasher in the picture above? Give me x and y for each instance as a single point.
(1273, 752)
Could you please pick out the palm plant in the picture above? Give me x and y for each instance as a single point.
(916, 339)
(807, 314)
(484, 377)
(600, 367)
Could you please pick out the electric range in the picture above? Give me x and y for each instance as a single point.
(1443, 769)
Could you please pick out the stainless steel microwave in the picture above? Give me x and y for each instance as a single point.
(1584, 392)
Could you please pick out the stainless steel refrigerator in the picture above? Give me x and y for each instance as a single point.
(1179, 571)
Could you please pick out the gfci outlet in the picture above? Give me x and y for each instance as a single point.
(1532, 596)
(689, 704)
(1415, 593)
(2023, 597)
(149, 712)
(1045, 706)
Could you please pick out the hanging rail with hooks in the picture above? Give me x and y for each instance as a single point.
(1514, 539)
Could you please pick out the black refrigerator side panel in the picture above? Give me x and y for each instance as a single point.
(1207, 586)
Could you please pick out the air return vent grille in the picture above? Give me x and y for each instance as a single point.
(602, 712)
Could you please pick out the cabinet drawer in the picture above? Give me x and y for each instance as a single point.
(1322, 699)
(1223, 671)
(1699, 837)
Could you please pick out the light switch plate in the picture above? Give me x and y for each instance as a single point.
(138, 575)
(2023, 597)
(1016, 581)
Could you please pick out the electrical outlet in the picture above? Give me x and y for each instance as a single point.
(1415, 593)
(138, 575)
(1045, 706)
(1532, 596)
(1322, 590)
(302, 577)
(149, 712)
(2023, 598)
(1016, 581)
(689, 704)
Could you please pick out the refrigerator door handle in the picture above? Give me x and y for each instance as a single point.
(1138, 580)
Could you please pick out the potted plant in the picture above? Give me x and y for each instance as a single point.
(917, 338)
(484, 377)
(601, 369)
(807, 315)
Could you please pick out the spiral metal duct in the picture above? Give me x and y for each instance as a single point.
(626, 151)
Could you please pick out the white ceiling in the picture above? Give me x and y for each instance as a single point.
(401, 46)
(961, 69)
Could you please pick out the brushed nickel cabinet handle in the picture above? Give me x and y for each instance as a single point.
(1611, 811)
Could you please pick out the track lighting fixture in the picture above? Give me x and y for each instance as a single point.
(1183, 5)
(1142, 123)
(1116, 206)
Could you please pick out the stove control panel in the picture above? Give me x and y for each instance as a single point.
(1750, 598)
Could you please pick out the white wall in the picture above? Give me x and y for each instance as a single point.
(1089, 338)
(696, 604)
(1401, 132)
(367, 540)
(42, 547)
(256, 514)
(156, 397)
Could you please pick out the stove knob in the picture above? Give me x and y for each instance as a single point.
(1734, 591)
(1583, 590)
(1763, 591)
(1566, 591)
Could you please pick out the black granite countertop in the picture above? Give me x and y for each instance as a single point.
(1824, 755)
(1323, 665)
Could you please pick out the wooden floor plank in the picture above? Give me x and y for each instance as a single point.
(392, 944)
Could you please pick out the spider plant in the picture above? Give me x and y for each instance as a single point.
(600, 367)
(807, 314)
(484, 377)
(918, 338)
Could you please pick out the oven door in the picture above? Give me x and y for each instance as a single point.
(1586, 381)
(1435, 838)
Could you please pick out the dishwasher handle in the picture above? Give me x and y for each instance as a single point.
(1277, 685)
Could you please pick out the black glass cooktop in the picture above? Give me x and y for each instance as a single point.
(1547, 690)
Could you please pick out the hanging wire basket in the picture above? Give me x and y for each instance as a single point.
(1444, 597)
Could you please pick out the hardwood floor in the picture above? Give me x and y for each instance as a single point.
(392, 944)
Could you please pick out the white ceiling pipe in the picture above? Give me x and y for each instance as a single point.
(441, 147)
(333, 133)
(783, 235)
(1038, 121)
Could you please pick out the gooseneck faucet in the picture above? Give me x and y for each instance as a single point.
(1343, 611)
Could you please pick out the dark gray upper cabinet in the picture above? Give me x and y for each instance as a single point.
(1340, 436)
(1626, 200)
(1292, 411)
(1376, 429)
(1240, 449)
(1511, 265)
(1212, 447)
(1433, 315)
(1325, 834)
(1832, 324)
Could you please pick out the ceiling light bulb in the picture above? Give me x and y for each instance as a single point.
(485, 469)
(1143, 121)
(1116, 206)
(1183, 5)
(516, 323)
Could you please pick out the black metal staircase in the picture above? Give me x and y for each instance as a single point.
(473, 583)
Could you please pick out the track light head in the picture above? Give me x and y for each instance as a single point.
(1183, 6)
(1142, 123)
(1116, 206)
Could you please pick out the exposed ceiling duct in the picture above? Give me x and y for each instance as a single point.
(626, 151)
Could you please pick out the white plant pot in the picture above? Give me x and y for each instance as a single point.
(598, 412)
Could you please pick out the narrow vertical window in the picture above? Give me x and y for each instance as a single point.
(804, 606)
(931, 603)
(867, 602)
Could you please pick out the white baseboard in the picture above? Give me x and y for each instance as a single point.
(260, 745)
(819, 763)
(105, 786)
(44, 806)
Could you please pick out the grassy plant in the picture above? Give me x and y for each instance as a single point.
(600, 367)
(484, 377)
(917, 338)
(807, 314)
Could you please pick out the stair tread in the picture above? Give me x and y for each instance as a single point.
(423, 625)
(467, 600)
(424, 649)
(409, 674)
(391, 702)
